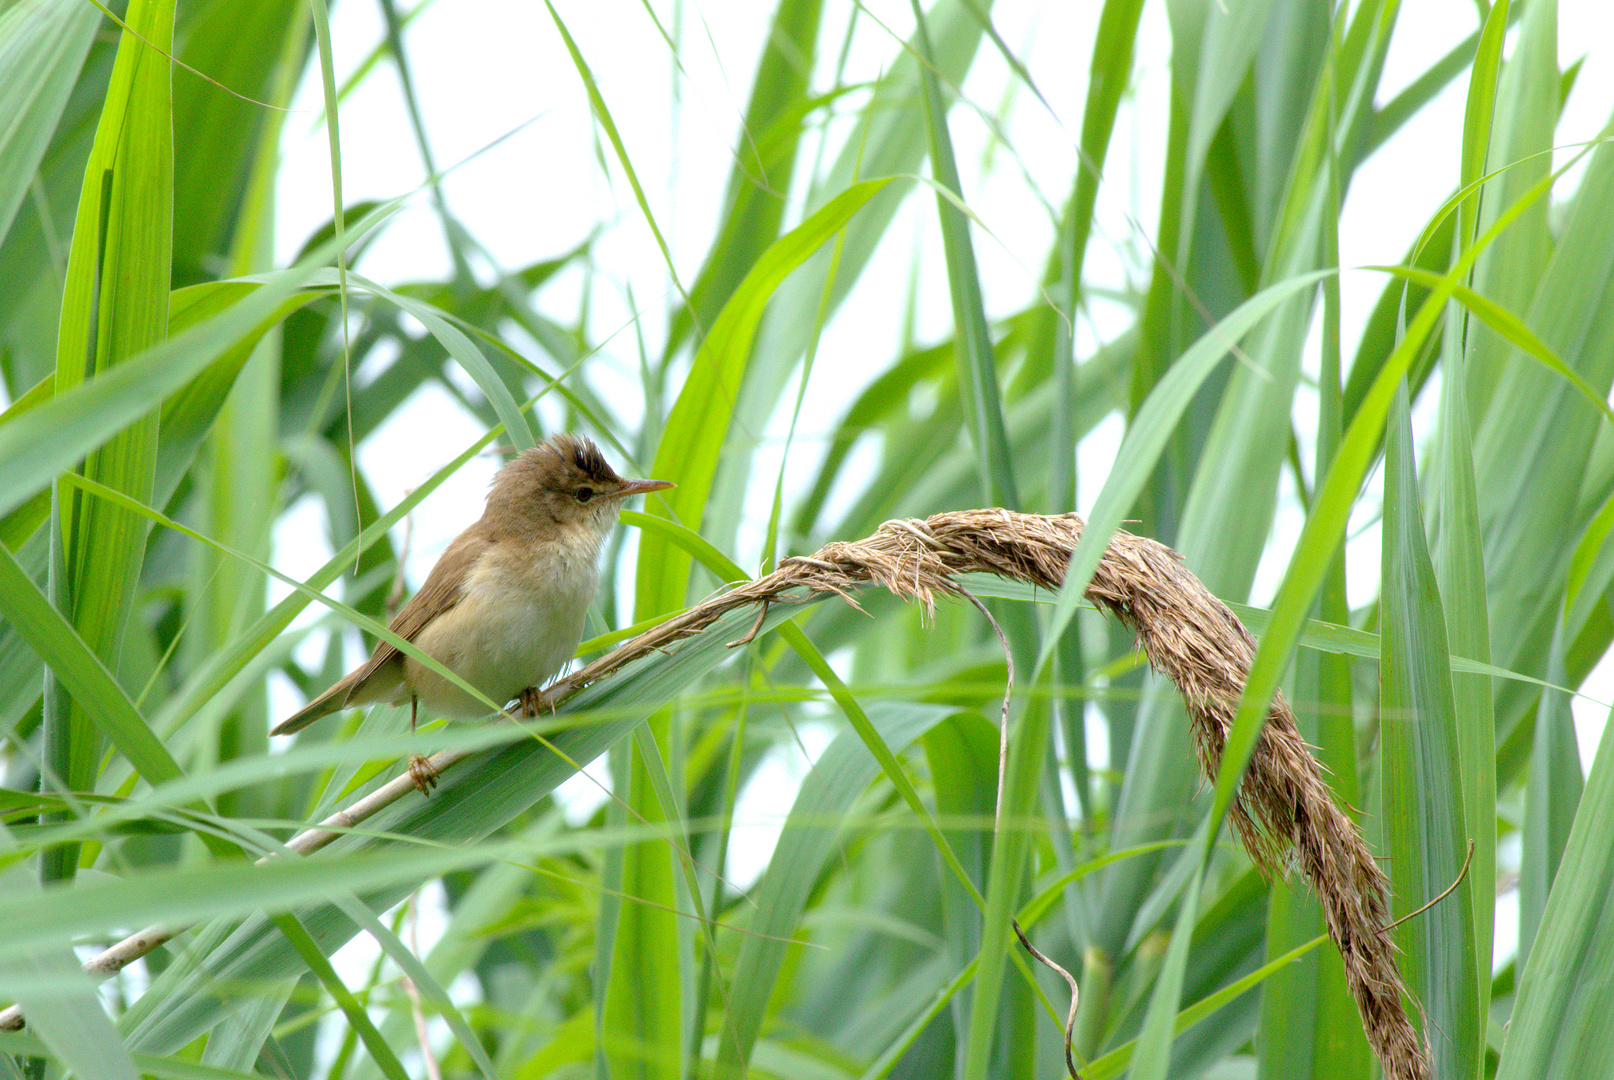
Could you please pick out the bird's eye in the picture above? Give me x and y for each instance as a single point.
(584, 494)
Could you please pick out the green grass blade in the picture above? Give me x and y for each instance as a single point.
(350, 1005)
(1005, 874)
(838, 777)
(1551, 797)
(1547, 428)
(1421, 789)
(424, 982)
(1460, 565)
(978, 376)
(465, 353)
(754, 202)
(1109, 72)
(42, 49)
(46, 441)
(603, 115)
(1523, 126)
(1152, 1058)
(70, 1021)
(83, 673)
(225, 145)
(1324, 528)
(115, 305)
(1146, 437)
(1480, 109)
(1559, 1027)
(1513, 329)
(689, 452)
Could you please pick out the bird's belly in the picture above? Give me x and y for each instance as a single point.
(500, 640)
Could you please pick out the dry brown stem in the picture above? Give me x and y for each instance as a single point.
(1284, 810)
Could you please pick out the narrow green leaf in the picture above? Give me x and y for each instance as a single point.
(1481, 107)
(772, 134)
(1152, 1058)
(351, 1007)
(114, 306)
(1146, 437)
(1551, 796)
(893, 770)
(1109, 73)
(1421, 789)
(1512, 328)
(416, 972)
(1017, 802)
(689, 451)
(461, 348)
(978, 376)
(83, 673)
(837, 778)
(603, 115)
(1559, 1023)
(1460, 564)
(1519, 153)
(42, 48)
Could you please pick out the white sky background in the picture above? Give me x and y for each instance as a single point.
(485, 67)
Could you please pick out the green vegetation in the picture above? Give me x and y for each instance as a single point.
(172, 391)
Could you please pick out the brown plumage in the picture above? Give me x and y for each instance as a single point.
(503, 608)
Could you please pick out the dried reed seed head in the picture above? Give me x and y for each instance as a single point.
(1284, 814)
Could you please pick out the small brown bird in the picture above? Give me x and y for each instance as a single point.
(503, 608)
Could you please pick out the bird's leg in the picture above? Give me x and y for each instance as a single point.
(421, 771)
(532, 700)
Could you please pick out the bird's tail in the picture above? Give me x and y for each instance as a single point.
(332, 700)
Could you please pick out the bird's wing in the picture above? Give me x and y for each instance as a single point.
(443, 588)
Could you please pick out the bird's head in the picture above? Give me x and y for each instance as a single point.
(563, 483)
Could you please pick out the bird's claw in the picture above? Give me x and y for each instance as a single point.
(423, 773)
(532, 702)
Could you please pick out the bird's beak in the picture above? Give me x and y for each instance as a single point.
(641, 487)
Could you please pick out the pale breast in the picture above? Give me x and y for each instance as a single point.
(518, 620)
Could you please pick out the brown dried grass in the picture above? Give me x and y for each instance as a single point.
(1284, 814)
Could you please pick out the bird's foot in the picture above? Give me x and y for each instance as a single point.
(423, 773)
(533, 702)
